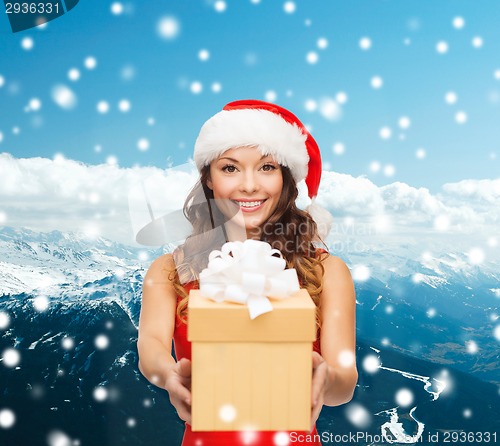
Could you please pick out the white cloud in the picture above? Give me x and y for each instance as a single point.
(44, 194)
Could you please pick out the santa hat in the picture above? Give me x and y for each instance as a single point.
(276, 132)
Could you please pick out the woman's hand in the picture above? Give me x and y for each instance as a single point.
(320, 381)
(178, 386)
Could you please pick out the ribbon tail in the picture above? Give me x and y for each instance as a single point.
(258, 305)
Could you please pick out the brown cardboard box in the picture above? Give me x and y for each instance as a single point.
(251, 374)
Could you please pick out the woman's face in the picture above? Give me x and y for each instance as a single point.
(244, 180)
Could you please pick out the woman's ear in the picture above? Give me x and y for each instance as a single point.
(209, 183)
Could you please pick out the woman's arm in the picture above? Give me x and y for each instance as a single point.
(337, 363)
(156, 328)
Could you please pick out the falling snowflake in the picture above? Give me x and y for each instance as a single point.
(322, 43)
(376, 82)
(496, 75)
(420, 154)
(4, 318)
(101, 342)
(116, 8)
(7, 418)
(2, 81)
(341, 97)
(496, 332)
(216, 87)
(472, 347)
(112, 160)
(203, 55)
(477, 42)
(100, 393)
(476, 256)
(329, 109)
(312, 57)
(450, 97)
(361, 273)
(102, 107)
(11, 357)
(143, 256)
(338, 148)
(131, 422)
(467, 413)
(458, 22)
(346, 358)
(196, 87)
(371, 363)
(375, 166)
(220, 6)
(127, 73)
(358, 415)
(442, 47)
(73, 74)
(270, 96)
(227, 413)
(90, 62)
(492, 241)
(404, 397)
(404, 122)
(289, 7)
(35, 104)
(67, 343)
(385, 132)
(281, 439)
(41, 303)
(27, 43)
(389, 309)
(441, 223)
(143, 144)
(3, 215)
(365, 43)
(431, 312)
(64, 97)
(168, 27)
(124, 105)
(311, 105)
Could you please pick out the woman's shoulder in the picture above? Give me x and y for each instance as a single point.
(161, 266)
(335, 267)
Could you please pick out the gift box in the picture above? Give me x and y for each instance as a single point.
(251, 374)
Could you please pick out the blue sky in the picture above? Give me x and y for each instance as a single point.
(257, 50)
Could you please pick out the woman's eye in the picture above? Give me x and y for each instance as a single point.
(268, 167)
(229, 168)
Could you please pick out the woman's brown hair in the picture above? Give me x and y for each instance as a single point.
(288, 229)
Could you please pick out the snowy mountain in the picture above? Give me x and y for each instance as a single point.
(73, 306)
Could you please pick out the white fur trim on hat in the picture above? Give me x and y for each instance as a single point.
(268, 131)
(322, 217)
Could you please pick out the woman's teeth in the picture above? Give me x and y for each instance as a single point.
(249, 204)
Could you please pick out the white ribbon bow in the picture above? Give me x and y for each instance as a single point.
(247, 273)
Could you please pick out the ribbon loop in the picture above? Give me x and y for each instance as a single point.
(248, 273)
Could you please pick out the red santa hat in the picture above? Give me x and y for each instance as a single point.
(274, 131)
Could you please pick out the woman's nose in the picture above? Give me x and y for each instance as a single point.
(249, 183)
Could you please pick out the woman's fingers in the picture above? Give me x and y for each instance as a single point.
(184, 368)
(319, 377)
(184, 411)
(320, 370)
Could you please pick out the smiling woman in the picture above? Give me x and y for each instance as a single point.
(250, 157)
(244, 180)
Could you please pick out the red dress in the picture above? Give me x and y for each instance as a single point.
(234, 438)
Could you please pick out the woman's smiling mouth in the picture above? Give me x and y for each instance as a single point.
(249, 206)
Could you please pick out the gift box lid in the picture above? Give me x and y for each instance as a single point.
(292, 320)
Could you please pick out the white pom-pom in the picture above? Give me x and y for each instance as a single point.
(322, 217)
